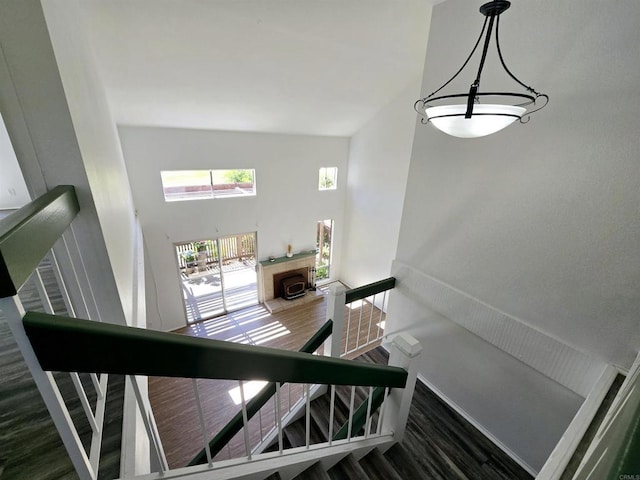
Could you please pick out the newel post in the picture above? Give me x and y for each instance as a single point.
(335, 312)
(404, 352)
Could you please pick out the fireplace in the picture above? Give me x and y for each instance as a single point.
(294, 287)
(279, 278)
(271, 273)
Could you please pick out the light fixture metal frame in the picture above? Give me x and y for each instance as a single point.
(491, 11)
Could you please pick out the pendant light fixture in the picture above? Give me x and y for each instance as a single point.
(477, 113)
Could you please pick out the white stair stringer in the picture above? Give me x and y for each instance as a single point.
(288, 464)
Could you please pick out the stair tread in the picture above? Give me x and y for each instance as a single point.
(314, 472)
(347, 469)
(378, 467)
(402, 462)
(296, 433)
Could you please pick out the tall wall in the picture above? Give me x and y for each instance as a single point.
(378, 166)
(517, 259)
(284, 211)
(98, 141)
(62, 133)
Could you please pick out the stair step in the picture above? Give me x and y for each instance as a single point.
(296, 433)
(314, 472)
(348, 469)
(403, 463)
(320, 410)
(378, 467)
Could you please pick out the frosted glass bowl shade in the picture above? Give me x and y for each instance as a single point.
(493, 118)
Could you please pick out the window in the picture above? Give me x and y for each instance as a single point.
(198, 184)
(323, 245)
(328, 178)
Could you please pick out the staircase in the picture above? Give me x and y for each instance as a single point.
(438, 446)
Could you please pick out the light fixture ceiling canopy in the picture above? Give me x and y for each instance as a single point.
(479, 113)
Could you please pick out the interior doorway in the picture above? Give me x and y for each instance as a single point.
(217, 275)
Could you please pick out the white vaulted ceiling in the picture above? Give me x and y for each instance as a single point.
(321, 67)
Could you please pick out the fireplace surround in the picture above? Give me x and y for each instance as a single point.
(271, 273)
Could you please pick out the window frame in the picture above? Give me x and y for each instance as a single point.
(204, 190)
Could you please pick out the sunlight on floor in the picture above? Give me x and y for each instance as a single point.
(262, 334)
(251, 389)
(355, 305)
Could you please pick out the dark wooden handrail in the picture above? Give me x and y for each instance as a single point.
(226, 433)
(28, 234)
(67, 344)
(370, 289)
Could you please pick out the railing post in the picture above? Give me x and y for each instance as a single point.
(335, 312)
(404, 350)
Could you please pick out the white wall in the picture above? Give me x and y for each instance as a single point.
(528, 238)
(41, 126)
(13, 190)
(97, 140)
(378, 166)
(286, 168)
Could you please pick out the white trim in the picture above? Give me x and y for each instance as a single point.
(557, 462)
(288, 464)
(571, 367)
(478, 426)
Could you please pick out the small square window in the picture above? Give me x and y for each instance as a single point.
(328, 178)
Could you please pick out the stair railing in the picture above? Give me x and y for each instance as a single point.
(89, 347)
(348, 309)
(615, 450)
(61, 343)
(39, 241)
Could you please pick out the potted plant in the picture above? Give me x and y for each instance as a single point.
(201, 255)
(190, 261)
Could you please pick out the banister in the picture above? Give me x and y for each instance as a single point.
(370, 289)
(233, 426)
(73, 345)
(29, 233)
(359, 418)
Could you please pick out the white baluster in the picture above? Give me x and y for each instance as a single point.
(332, 412)
(203, 427)
(353, 397)
(245, 428)
(368, 428)
(308, 414)
(381, 414)
(278, 416)
(373, 307)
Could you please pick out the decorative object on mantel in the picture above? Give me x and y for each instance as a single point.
(468, 118)
(289, 251)
(272, 258)
(312, 278)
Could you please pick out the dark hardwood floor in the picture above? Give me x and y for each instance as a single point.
(173, 399)
(30, 447)
(439, 444)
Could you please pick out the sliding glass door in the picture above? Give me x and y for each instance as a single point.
(217, 275)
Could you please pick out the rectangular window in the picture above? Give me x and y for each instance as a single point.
(328, 178)
(323, 244)
(180, 185)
